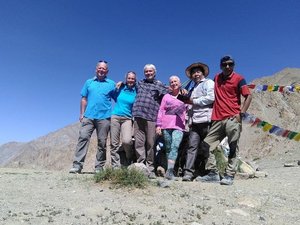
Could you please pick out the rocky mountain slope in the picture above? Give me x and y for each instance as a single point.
(55, 150)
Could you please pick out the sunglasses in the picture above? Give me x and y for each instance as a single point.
(100, 61)
(230, 64)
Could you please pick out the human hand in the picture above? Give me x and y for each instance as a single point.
(183, 91)
(238, 118)
(80, 117)
(158, 131)
(119, 84)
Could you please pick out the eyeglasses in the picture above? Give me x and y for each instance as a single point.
(100, 61)
(230, 64)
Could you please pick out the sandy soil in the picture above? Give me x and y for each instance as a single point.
(52, 197)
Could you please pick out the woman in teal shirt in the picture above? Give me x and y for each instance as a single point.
(121, 120)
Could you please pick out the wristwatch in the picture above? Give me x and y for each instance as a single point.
(242, 115)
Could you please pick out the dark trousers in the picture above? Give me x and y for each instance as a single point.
(197, 134)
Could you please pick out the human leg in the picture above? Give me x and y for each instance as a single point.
(182, 154)
(102, 128)
(201, 158)
(126, 133)
(85, 133)
(140, 139)
(150, 141)
(189, 169)
(172, 155)
(216, 133)
(115, 128)
(233, 130)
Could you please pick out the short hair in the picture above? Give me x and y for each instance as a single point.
(150, 66)
(126, 75)
(174, 76)
(102, 61)
(227, 58)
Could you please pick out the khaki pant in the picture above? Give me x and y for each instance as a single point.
(120, 127)
(144, 134)
(231, 128)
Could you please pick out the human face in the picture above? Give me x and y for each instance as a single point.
(227, 67)
(130, 79)
(197, 75)
(174, 83)
(149, 73)
(101, 70)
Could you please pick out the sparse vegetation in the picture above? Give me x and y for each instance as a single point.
(221, 160)
(123, 177)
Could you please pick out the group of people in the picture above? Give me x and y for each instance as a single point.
(146, 110)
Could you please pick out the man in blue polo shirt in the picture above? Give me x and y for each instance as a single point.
(95, 113)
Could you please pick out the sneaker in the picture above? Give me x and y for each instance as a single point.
(161, 171)
(227, 180)
(170, 174)
(209, 178)
(152, 175)
(75, 170)
(187, 177)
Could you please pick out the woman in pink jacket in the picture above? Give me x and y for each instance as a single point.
(171, 123)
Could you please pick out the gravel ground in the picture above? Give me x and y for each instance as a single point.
(52, 197)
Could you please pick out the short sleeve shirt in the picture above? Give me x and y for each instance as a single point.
(99, 95)
(228, 95)
(124, 98)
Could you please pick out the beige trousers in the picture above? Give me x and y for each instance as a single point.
(231, 128)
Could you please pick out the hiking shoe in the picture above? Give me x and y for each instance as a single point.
(209, 178)
(170, 174)
(152, 175)
(75, 170)
(187, 177)
(161, 171)
(227, 180)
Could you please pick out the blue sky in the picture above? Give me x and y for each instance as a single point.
(48, 48)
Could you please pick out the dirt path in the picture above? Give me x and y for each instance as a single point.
(51, 197)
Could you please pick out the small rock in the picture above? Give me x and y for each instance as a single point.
(246, 168)
(260, 174)
(298, 162)
(262, 218)
(236, 211)
(164, 183)
(289, 164)
(242, 176)
(139, 166)
(249, 202)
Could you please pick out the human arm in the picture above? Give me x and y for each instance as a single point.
(245, 106)
(160, 115)
(83, 104)
(119, 84)
(245, 92)
(206, 96)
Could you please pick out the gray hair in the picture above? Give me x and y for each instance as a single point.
(150, 66)
(132, 72)
(174, 76)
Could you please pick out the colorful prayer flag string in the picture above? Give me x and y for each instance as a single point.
(272, 129)
(272, 88)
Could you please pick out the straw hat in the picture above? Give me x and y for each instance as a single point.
(200, 65)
